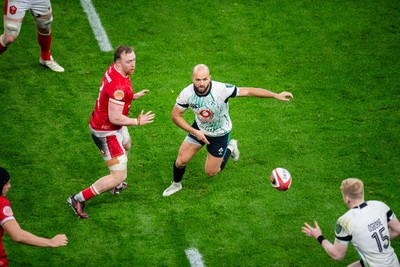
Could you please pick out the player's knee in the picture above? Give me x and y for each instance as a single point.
(180, 163)
(6, 39)
(119, 176)
(212, 172)
(43, 24)
(11, 32)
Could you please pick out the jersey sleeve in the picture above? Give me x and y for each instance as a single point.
(342, 232)
(6, 212)
(234, 91)
(389, 213)
(115, 94)
(182, 101)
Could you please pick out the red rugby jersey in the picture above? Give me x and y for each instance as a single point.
(6, 214)
(116, 88)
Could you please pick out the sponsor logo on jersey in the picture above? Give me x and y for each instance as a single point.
(205, 113)
(7, 211)
(119, 94)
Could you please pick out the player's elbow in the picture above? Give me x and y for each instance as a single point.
(18, 238)
(337, 256)
(174, 117)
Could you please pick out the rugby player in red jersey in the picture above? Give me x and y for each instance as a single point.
(10, 225)
(108, 126)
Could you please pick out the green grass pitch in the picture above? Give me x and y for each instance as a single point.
(341, 61)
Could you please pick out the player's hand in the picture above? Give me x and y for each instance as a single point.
(59, 240)
(141, 93)
(145, 118)
(284, 96)
(201, 136)
(311, 231)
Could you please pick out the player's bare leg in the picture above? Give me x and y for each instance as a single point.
(123, 185)
(77, 202)
(12, 28)
(110, 181)
(186, 153)
(213, 165)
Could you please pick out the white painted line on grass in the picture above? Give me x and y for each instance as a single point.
(195, 258)
(98, 30)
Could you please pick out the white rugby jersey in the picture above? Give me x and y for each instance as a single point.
(366, 226)
(211, 110)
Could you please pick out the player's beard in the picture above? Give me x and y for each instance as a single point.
(130, 71)
(202, 90)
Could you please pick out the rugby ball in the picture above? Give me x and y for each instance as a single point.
(281, 179)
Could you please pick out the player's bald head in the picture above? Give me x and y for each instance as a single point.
(201, 68)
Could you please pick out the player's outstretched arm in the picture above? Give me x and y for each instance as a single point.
(19, 235)
(140, 94)
(336, 251)
(116, 117)
(259, 92)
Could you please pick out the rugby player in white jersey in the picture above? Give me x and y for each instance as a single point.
(368, 225)
(14, 13)
(212, 126)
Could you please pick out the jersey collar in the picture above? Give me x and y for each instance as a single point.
(362, 205)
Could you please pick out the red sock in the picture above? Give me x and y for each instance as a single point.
(88, 193)
(2, 48)
(45, 44)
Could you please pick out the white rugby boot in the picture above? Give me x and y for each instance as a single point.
(172, 189)
(233, 146)
(51, 64)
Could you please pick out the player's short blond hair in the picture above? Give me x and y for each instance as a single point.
(353, 188)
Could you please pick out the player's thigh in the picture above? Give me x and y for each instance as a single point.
(186, 152)
(39, 8)
(215, 153)
(112, 149)
(126, 138)
(213, 165)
